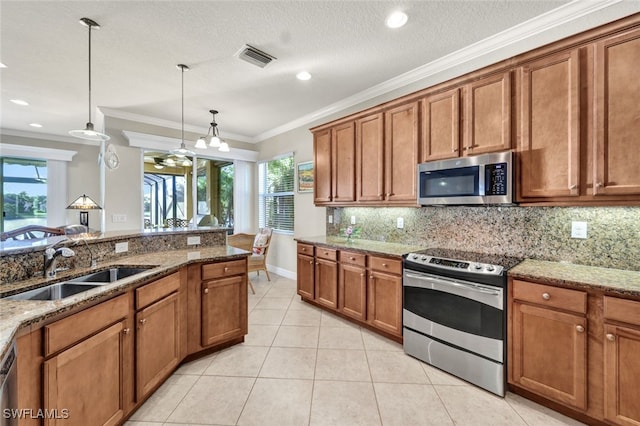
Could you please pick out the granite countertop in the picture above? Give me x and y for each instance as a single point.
(15, 314)
(365, 246)
(616, 281)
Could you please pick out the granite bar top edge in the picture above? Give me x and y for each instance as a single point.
(18, 314)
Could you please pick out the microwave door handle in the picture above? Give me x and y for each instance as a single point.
(481, 180)
(453, 284)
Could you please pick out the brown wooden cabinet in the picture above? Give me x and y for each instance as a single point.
(441, 125)
(306, 271)
(158, 332)
(322, 167)
(549, 127)
(343, 178)
(352, 285)
(548, 347)
(70, 376)
(617, 108)
(370, 158)
(384, 295)
(621, 362)
(224, 309)
(401, 153)
(326, 278)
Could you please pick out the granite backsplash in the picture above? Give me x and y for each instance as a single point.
(542, 233)
(16, 265)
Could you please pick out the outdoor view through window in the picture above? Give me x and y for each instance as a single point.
(24, 192)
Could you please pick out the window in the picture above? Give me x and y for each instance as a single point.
(275, 193)
(24, 192)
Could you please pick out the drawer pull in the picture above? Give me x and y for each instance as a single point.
(206, 291)
(143, 321)
(226, 269)
(352, 258)
(362, 275)
(546, 296)
(304, 249)
(579, 329)
(384, 265)
(598, 184)
(371, 276)
(573, 186)
(611, 337)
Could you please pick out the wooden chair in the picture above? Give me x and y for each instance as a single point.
(258, 245)
(31, 232)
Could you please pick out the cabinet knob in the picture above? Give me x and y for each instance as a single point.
(546, 296)
(454, 150)
(304, 249)
(311, 262)
(317, 263)
(206, 291)
(611, 337)
(143, 321)
(579, 329)
(362, 275)
(126, 331)
(465, 148)
(352, 258)
(598, 184)
(371, 276)
(384, 265)
(573, 186)
(226, 269)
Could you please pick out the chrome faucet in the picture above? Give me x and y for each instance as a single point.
(51, 255)
(93, 262)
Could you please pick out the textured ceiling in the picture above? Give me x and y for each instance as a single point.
(344, 44)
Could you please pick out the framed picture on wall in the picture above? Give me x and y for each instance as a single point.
(305, 176)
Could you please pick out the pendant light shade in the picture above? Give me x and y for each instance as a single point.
(215, 141)
(182, 151)
(89, 133)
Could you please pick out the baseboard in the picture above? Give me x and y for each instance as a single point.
(282, 272)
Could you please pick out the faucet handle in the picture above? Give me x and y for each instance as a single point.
(49, 252)
(67, 252)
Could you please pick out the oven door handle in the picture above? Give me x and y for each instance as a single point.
(474, 288)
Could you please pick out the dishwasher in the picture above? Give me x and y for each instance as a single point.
(8, 389)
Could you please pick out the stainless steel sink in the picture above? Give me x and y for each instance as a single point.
(53, 291)
(109, 275)
(78, 285)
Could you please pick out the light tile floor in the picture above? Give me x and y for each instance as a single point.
(300, 365)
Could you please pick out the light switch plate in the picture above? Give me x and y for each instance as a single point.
(353, 220)
(579, 230)
(400, 223)
(330, 219)
(119, 218)
(191, 241)
(122, 247)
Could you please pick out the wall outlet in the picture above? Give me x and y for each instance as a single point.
(192, 241)
(579, 230)
(122, 247)
(353, 220)
(400, 223)
(330, 218)
(118, 218)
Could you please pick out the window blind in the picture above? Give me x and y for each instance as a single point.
(275, 193)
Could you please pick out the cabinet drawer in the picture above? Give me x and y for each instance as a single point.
(305, 249)
(152, 292)
(385, 264)
(223, 269)
(79, 326)
(623, 310)
(325, 253)
(353, 258)
(545, 295)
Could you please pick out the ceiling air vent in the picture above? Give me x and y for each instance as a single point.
(255, 56)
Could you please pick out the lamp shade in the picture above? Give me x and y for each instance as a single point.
(84, 203)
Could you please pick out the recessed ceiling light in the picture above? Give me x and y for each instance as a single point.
(20, 102)
(303, 75)
(38, 125)
(396, 19)
(2, 65)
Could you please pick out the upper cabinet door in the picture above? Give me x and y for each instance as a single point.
(549, 127)
(488, 115)
(401, 153)
(322, 166)
(441, 126)
(617, 115)
(344, 162)
(370, 158)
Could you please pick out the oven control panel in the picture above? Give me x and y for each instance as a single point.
(453, 264)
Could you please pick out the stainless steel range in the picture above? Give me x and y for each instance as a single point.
(454, 313)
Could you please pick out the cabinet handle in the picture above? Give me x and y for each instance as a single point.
(206, 291)
(143, 321)
(371, 276)
(126, 331)
(311, 262)
(546, 296)
(598, 184)
(573, 186)
(454, 150)
(317, 263)
(465, 148)
(352, 258)
(579, 329)
(226, 269)
(384, 265)
(611, 337)
(362, 275)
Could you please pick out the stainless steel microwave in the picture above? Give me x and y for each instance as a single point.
(479, 179)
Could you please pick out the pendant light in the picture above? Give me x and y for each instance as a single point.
(88, 132)
(182, 151)
(215, 141)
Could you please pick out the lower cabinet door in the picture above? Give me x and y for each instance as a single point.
(352, 291)
(305, 276)
(224, 309)
(550, 353)
(84, 384)
(621, 374)
(326, 283)
(384, 296)
(157, 343)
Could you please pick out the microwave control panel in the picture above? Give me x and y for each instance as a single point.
(496, 179)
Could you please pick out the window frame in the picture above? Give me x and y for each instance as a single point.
(262, 165)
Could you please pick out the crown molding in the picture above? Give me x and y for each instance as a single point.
(25, 151)
(47, 137)
(139, 118)
(501, 41)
